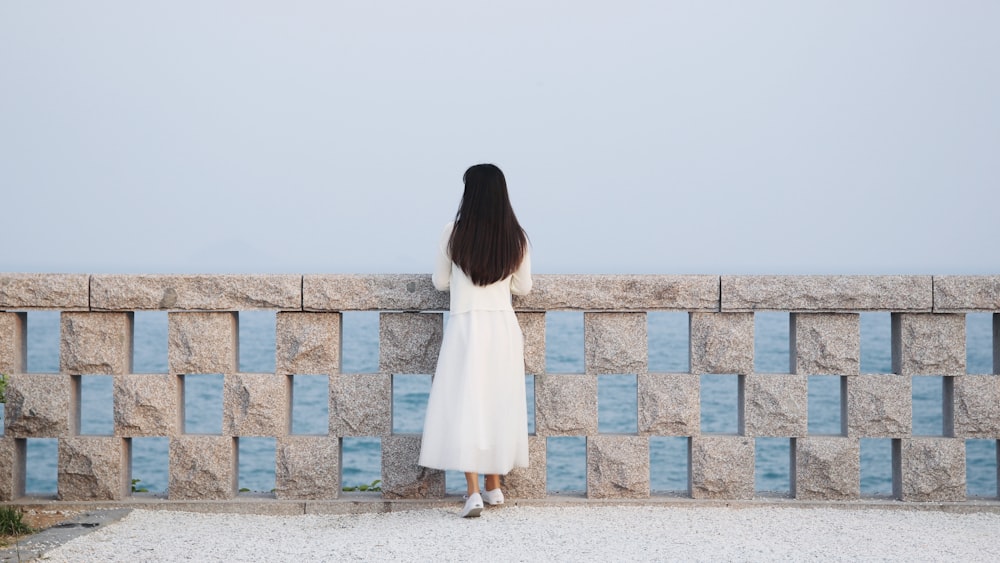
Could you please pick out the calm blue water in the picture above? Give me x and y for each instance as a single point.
(668, 352)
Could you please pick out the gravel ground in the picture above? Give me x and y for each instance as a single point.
(510, 533)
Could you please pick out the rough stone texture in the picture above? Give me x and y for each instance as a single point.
(827, 293)
(92, 468)
(307, 468)
(38, 406)
(211, 292)
(202, 468)
(528, 482)
(393, 292)
(402, 477)
(308, 343)
(565, 405)
(996, 344)
(615, 343)
(66, 292)
(203, 342)
(96, 343)
(825, 344)
(827, 468)
(721, 343)
(929, 469)
(879, 406)
(147, 405)
(776, 405)
(361, 404)
(409, 342)
(958, 294)
(617, 466)
(14, 342)
(533, 328)
(621, 293)
(928, 344)
(256, 404)
(722, 467)
(12, 461)
(669, 404)
(977, 406)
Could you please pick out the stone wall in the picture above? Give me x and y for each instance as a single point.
(928, 338)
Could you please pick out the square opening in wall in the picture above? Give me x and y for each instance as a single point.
(772, 466)
(668, 464)
(979, 343)
(529, 392)
(149, 342)
(361, 463)
(257, 341)
(721, 402)
(932, 396)
(876, 343)
(981, 475)
(202, 403)
(43, 341)
(617, 404)
(96, 410)
(409, 403)
(876, 467)
(566, 464)
(359, 350)
(827, 405)
(564, 342)
(311, 404)
(668, 335)
(256, 467)
(41, 467)
(150, 458)
(771, 342)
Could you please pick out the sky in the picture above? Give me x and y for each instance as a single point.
(655, 137)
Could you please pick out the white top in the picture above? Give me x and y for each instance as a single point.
(467, 296)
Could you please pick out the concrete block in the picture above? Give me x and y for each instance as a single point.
(960, 294)
(96, 343)
(92, 468)
(977, 406)
(776, 405)
(721, 343)
(12, 467)
(14, 342)
(826, 468)
(256, 404)
(394, 292)
(621, 293)
(402, 477)
(825, 344)
(409, 342)
(929, 469)
(147, 405)
(565, 405)
(64, 292)
(202, 468)
(203, 342)
(827, 293)
(307, 468)
(879, 406)
(722, 467)
(361, 404)
(212, 292)
(669, 404)
(615, 343)
(617, 466)
(528, 482)
(39, 406)
(533, 328)
(928, 344)
(308, 343)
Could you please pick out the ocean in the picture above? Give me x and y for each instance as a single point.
(668, 352)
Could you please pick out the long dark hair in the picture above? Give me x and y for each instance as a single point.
(487, 242)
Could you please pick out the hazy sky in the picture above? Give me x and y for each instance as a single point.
(647, 137)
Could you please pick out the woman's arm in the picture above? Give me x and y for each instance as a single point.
(520, 282)
(442, 271)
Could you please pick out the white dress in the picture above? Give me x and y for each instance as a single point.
(476, 415)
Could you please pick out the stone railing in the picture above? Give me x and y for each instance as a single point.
(97, 312)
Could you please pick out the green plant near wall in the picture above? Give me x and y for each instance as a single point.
(3, 388)
(374, 487)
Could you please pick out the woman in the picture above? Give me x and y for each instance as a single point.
(476, 416)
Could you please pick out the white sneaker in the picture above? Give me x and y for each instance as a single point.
(493, 497)
(473, 506)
